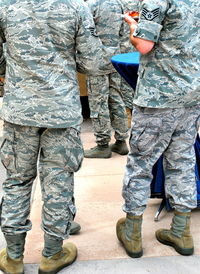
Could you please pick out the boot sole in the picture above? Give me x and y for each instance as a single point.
(57, 270)
(132, 254)
(185, 251)
(120, 153)
(9, 272)
(97, 157)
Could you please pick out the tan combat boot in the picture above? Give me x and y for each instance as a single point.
(178, 236)
(10, 266)
(53, 264)
(129, 234)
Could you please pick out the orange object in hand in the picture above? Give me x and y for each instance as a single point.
(134, 14)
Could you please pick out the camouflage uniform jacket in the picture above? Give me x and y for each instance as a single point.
(110, 26)
(169, 76)
(47, 41)
(125, 44)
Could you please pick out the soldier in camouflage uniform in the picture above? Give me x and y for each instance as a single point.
(46, 42)
(107, 109)
(166, 118)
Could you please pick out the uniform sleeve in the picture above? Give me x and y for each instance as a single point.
(93, 6)
(152, 14)
(91, 56)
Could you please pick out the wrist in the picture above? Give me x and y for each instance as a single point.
(133, 26)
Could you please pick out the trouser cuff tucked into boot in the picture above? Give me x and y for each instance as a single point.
(178, 236)
(129, 234)
(52, 245)
(15, 245)
(53, 264)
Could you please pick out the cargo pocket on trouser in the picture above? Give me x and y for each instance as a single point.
(73, 163)
(145, 135)
(74, 151)
(72, 210)
(8, 154)
(13, 212)
(57, 217)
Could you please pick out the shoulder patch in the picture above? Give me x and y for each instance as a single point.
(150, 15)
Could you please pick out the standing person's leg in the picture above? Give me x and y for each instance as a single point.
(127, 95)
(118, 115)
(61, 155)
(150, 135)
(98, 94)
(180, 183)
(19, 153)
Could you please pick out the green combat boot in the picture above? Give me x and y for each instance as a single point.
(75, 228)
(10, 266)
(129, 234)
(100, 151)
(178, 236)
(53, 264)
(120, 147)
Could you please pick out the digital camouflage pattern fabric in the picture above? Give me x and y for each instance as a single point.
(61, 154)
(166, 112)
(53, 39)
(125, 47)
(154, 132)
(46, 42)
(169, 76)
(105, 91)
(110, 26)
(107, 108)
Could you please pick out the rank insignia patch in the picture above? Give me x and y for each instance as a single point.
(93, 31)
(150, 15)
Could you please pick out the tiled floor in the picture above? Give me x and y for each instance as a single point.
(98, 199)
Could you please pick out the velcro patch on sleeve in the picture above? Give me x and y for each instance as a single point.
(150, 15)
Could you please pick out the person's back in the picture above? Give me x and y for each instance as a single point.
(43, 42)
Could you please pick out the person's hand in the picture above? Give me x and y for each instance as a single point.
(130, 21)
(2, 79)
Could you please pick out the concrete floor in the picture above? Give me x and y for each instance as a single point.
(98, 199)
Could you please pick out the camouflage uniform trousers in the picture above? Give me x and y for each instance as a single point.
(60, 154)
(107, 109)
(127, 94)
(154, 132)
